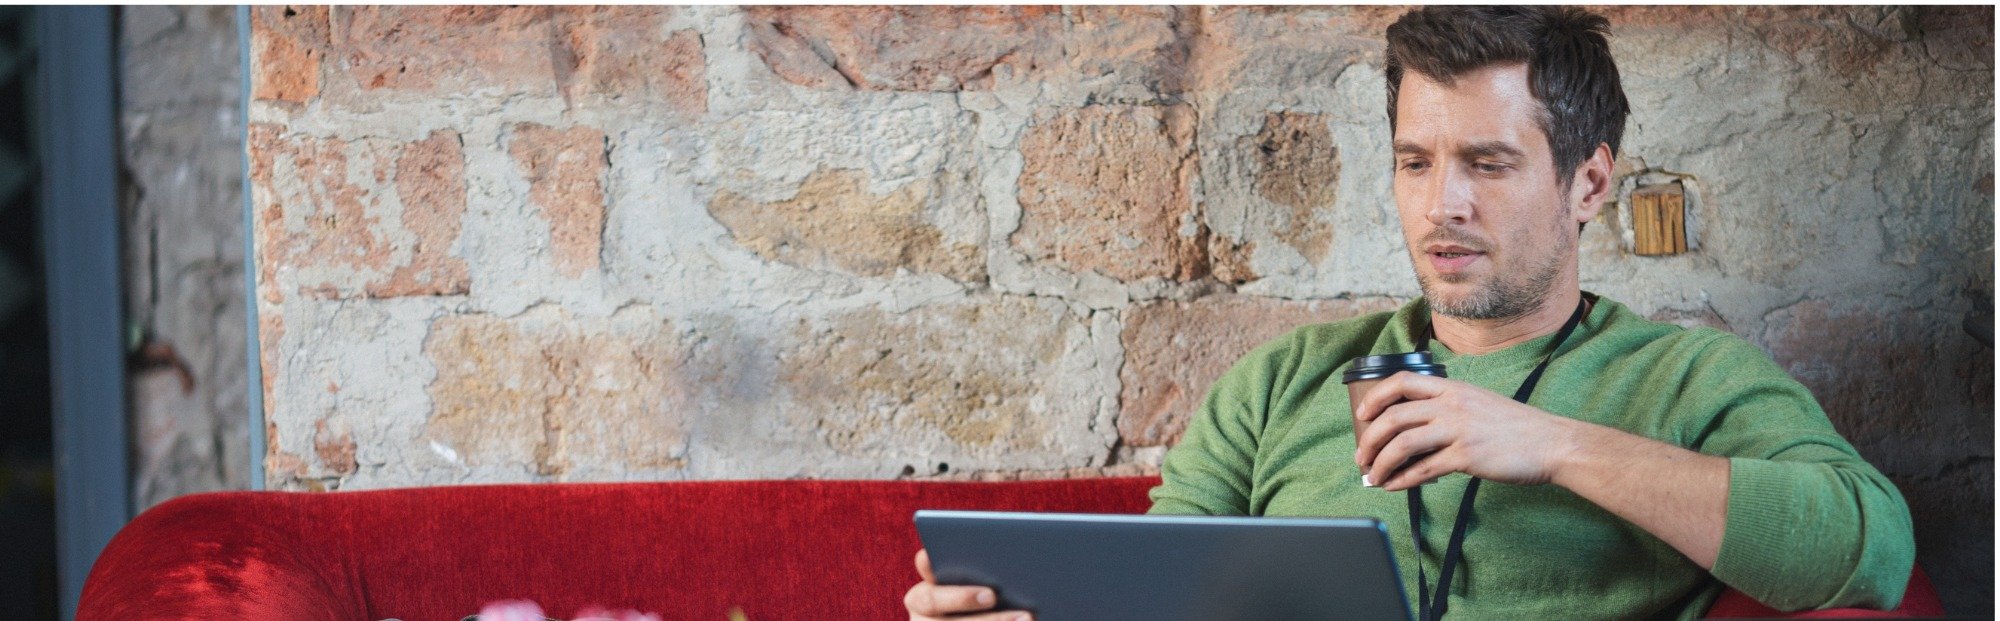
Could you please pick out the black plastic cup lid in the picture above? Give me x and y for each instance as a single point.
(1378, 367)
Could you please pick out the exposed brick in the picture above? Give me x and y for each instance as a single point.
(321, 227)
(834, 222)
(1107, 188)
(1175, 350)
(565, 171)
(335, 450)
(459, 48)
(270, 348)
(288, 44)
(278, 463)
(312, 214)
(974, 376)
(264, 144)
(557, 393)
(1165, 49)
(620, 55)
(1299, 168)
(430, 180)
(575, 52)
(910, 48)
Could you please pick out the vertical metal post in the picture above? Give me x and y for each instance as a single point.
(76, 99)
(255, 345)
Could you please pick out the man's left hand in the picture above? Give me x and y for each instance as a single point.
(1443, 426)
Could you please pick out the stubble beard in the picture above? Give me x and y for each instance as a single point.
(1501, 297)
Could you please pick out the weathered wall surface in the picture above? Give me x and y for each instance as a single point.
(532, 244)
(182, 122)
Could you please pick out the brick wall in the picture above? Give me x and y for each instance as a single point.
(535, 244)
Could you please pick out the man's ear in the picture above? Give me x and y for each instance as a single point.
(1592, 184)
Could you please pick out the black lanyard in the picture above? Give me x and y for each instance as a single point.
(1429, 610)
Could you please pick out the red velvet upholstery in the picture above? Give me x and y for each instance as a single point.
(776, 549)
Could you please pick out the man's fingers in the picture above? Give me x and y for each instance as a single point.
(1399, 450)
(1424, 468)
(1398, 419)
(932, 600)
(1004, 615)
(924, 565)
(1403, 386)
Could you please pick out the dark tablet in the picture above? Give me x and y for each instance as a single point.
(1089, 567)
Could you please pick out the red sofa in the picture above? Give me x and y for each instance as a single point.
(774, 549)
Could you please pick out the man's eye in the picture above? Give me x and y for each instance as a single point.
(1489, 167)
(1415, 165)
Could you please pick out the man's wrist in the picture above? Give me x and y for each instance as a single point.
(1573, 450)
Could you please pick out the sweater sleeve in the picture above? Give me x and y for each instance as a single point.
(1209, 471)
(1810, 524)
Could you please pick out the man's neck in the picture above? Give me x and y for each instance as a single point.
(1472, 337)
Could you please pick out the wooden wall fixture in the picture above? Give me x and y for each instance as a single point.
(1659, 220)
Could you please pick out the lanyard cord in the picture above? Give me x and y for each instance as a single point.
(1429, 610)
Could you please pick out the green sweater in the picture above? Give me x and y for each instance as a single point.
(1810, 524)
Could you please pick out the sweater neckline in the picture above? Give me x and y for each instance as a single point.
(1524, 353)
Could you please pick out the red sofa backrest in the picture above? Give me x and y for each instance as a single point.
(774, 549)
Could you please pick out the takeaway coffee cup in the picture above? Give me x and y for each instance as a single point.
(1367, 371)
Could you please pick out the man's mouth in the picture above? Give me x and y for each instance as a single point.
(1450, 260)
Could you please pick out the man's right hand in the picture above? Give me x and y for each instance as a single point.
(929, 601)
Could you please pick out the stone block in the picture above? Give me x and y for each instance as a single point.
(986, 383)
(557, 394)
(834, 222)
(1175, 350)
(1298, 168)
(565, 169)
(1108, 188)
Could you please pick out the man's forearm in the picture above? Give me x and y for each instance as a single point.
(1676, 494)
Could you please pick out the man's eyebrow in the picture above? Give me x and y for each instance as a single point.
(1410, 148)
(1491, 148)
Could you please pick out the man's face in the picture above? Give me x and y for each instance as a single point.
(1485, 218)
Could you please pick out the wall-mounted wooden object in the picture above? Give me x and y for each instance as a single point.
(1659, 220)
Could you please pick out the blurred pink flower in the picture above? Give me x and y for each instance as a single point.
(512, 610)
(594, 613)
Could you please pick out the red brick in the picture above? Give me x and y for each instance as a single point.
(318, 217)
(288, 43)
(579, 53)
(430, 180)
(909, 48)
(322, 233)
(565, 172)
(335, 451)
(1108, 188)
(1175, 350)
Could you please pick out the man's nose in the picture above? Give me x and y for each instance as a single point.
(1451, 197)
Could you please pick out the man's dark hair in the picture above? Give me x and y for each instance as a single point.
(1570, 71)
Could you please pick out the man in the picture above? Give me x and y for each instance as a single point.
(1649, 467)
